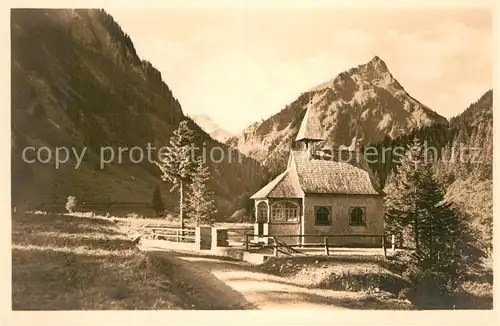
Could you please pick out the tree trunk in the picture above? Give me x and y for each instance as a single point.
(416, 226)
(181, 204)
(415, 216)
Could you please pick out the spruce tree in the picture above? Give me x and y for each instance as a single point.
(201, 206)
(157, 202)
(400, 203)
(177, 165)
(415, 203)
(436, 266)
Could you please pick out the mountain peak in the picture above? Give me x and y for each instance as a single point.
(363, 103)
(372, 71)
(376, 58)
(377, 64)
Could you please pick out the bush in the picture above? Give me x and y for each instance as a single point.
(70, 204)
(430, 289)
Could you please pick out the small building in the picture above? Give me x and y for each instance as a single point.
(321, 192)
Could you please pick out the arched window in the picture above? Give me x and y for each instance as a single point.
(262, 212)
(357, 216)
(285, 211)
(323, 215)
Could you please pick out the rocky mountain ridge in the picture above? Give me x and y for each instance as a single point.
(366, 102)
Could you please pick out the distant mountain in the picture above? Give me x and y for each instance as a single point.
(210, 127)
(365, 102)
(77, 81)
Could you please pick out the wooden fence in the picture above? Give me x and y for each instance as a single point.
(237, 235)
(173, 234)
(278, 245)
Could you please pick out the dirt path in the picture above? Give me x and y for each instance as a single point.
(210, 283)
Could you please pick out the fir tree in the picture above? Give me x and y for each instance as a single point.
(177, 165)
(400, 205)
(201, 207)
(157, 202)
(415, 203)
(436, 266)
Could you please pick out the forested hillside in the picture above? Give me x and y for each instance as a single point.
(78, 82)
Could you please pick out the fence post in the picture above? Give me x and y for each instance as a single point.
(326, 246)
(275, 246)
(383, 246)
(177, 235)
(393, 240)
(246, 241)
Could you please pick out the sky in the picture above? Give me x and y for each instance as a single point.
(240, 66)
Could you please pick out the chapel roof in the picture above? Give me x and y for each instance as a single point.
(343, 172)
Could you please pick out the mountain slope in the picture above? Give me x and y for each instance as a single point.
(471, 183)
(463, 166)
(475, 124)
(365, 102)
(210, 127)
(78, 82)
(464, 146)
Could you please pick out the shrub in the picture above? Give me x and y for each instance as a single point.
(70, 204)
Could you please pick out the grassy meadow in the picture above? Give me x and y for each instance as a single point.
(62, 262)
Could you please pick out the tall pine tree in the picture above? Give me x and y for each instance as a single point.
(200, 204)
(178, 164)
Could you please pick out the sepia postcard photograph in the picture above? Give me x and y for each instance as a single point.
(251, 157)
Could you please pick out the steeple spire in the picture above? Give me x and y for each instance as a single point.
(310, 129)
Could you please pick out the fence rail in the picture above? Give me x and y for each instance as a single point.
(277, 245)
(175, 234)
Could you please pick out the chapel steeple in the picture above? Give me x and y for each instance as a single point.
(310, 131)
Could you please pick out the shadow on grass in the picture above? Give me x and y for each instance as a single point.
(54, 280)
(454, 301)
(51, 280)
(63, 240)
(62, 223)
(67, 263)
